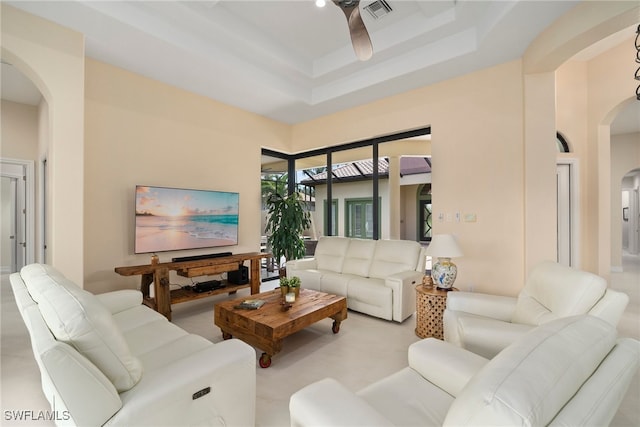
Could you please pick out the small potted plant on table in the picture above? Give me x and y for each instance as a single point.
(294, 285)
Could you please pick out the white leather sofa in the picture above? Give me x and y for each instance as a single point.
(378, 277)
(109, 360)
(485, 324)
(569, 372)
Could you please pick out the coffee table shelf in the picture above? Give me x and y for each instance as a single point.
(183, 295)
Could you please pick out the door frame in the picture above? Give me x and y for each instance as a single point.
(29, 202)
(574, 208)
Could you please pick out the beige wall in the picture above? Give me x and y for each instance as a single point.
(19, 133)
(140, 131)
(53, 58)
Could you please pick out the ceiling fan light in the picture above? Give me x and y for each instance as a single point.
(321, 3)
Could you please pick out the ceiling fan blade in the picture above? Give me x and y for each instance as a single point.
(359, 36)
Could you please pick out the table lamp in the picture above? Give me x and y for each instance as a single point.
(443, 272)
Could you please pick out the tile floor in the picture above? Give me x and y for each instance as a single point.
(365, 350)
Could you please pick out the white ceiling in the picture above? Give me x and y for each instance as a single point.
(291, 61)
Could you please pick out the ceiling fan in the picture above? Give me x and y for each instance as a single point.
(359, 35)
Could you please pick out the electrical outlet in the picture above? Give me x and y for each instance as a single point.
(470, 288)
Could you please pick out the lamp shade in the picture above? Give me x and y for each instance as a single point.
(443, 246)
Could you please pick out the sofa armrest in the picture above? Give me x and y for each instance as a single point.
(122, 300)
(403, 285)
(169, 395)
(488, 337)
(492, 306)
(610, 307)
(329, 403)
(409, 277)
(301, 264)
(444, 365)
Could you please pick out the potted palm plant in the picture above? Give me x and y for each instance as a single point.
(286, 221)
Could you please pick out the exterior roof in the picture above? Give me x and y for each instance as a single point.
(363, 170)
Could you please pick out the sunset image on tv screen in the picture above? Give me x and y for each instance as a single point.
(175, 219)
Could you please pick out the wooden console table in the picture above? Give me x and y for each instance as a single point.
(158, 275)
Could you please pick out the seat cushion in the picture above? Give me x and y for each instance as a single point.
(406, 399)
(530, 381)
(152, 336)
(335, 283)
(370, 296)
(77, 318)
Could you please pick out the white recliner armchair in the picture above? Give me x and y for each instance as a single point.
(573, 371)
(485, 324)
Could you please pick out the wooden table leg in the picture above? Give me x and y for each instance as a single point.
(336, 326)
(255, 276)
(162, 292)
(338, 318)
(145, 282)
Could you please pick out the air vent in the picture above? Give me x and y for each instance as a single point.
(378, 9)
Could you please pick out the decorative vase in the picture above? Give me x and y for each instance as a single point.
(284, 289)
(295, 290)
(444, 273)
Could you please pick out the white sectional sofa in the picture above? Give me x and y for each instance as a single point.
(378, 277)
(572, 371)
(109, 360)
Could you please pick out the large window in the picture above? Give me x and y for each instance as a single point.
(359, 218)
(332, 173)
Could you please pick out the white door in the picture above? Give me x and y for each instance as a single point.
(565, 214)
(13, 236)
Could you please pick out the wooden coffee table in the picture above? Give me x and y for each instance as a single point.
(267, 326)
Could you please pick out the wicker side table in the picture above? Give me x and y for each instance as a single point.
(430, 305)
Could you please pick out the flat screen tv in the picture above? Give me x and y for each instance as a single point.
(171, 219)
